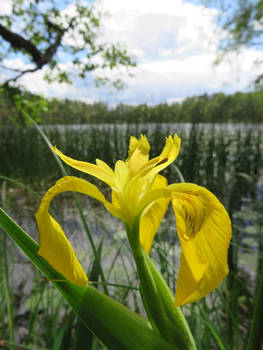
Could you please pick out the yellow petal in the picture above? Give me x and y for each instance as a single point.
(104, 166)
(171, 149)
(153, 215)
(142, 181)
(101, 171)
(120, 175)
(204, 230)
(168, 155)
(138, 153)
(54, 245)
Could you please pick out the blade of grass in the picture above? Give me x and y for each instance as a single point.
(26, 187)
(210, 326)
(62, 339)
(8, 345)
(6, 290)
(256, 335)
(84, 337)
(179, 173)
(33, 316)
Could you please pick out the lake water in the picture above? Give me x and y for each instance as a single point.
(230, 128)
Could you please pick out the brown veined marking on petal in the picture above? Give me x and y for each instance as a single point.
(162, 161)
(194, 222)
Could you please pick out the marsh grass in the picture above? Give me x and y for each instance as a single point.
(230, 165)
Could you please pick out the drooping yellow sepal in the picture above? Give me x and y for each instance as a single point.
(54, 245)
(204, 230)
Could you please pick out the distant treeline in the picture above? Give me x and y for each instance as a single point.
(215, 108)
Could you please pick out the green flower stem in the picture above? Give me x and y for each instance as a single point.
(117, 327)
(256, 335)
(157, 297)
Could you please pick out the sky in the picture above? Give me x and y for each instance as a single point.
(175, 45)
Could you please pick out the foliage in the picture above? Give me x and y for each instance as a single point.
(228, 164)
(63, 37)
(204, 159)
(216, 108)
(243, 23)
(19, 102)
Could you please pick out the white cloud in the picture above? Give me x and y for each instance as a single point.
(175, 44)
(165, 28)
(16, 63)
(175, 100)
(5, 7)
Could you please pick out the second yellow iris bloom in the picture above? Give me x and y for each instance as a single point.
(140, 193)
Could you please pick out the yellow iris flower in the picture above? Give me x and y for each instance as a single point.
(140, 193)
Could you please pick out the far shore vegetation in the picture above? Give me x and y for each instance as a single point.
(216, 108)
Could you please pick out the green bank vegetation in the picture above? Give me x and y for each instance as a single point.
(216, 108)
(228, 164)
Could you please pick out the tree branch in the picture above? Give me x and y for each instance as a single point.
(6, 83)
(11, 69)
(38, 57)
(19, 43)
(52, 49)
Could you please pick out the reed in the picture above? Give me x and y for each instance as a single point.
(228, 164)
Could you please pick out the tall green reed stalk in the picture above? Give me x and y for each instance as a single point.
(223, 163)
(4, 276)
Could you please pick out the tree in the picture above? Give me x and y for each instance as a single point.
(243, 22)
(62, 36)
